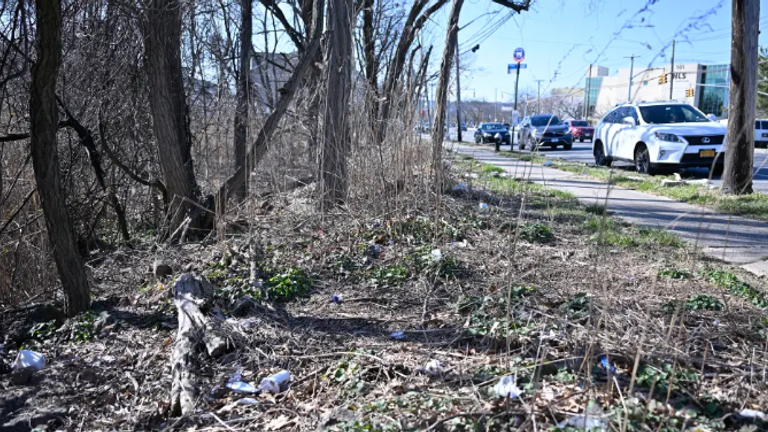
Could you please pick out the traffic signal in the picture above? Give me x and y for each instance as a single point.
(689, 92)
(663, 79)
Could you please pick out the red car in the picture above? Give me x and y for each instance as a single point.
(580, 129)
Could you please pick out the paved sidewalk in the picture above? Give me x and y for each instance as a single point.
(732, 239)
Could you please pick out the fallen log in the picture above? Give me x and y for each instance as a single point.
(190, 295)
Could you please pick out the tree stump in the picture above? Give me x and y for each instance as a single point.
(190, 295)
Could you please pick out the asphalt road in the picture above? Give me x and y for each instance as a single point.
(582, 152)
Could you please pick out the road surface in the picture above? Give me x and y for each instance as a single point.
(582, 152)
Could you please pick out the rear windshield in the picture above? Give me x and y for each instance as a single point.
(579, 123)
(761, 125)
(545, 121)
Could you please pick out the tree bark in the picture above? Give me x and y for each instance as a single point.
(243, 92)
(336, 134)
(162, 39)
(441, 96)
(44, 121)
(740, 148)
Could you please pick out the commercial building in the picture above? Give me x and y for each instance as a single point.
(704, 86)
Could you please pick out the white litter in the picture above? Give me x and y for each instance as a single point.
(29, 359)
(433, 367)
(593, 419)
(242, 387)
(547, 163)
(754, 414)
(506, 388)
(247, 401)
(276, 383)
(436, 253)
(483, 207)
(397, 335)
(474, 175)
(235, 378)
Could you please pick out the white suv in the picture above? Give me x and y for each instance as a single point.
(659, 135)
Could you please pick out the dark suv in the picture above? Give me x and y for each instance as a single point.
(486, 133)
(544, 130)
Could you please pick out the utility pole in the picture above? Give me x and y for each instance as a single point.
(588, 93)
(495, 104)
(538, 99)
(672, 81)
(631, 71)
(512, 136)
(429, 111)
(740, 151)
(458, 94)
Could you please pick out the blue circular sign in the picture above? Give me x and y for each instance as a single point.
(519, 55)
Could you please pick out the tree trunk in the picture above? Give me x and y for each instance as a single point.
(44, 121)
(441, 96)
(243, 92)
(740, 148)
(162, 39)
(336, 134)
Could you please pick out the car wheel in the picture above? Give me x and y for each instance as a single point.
(477, 140)
(717, 170)
(521, 143)
(600, 158)
(568, 146)
(581, 139)
(643, 160)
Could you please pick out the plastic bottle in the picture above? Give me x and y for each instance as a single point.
(276, 383)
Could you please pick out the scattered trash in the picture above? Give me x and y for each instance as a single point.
(614, 251)
(31, 359)
(218, 392)
(433, 368)
(437, 254)
(547, 163)
(473, 175)
(754, 414)
(483, 207)
(506, 388)
(247, 401)
(373, 251)
(635, 178)
(504, 174)
(235, 378)
(593, 419)
(276, 383)
(397, 335)
(716, 322)
(672, 183)
(336, 298)
(249, 323)
(242, 387)
(460, 187)
(495, 174)
(607, 364)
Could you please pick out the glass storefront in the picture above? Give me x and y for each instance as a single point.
(593, 84)
(713, 95)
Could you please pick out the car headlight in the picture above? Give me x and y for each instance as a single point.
(667, 137)
(536, 132)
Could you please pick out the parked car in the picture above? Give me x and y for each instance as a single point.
(544, 130)
(580, 129)
(659, 135)
(761, 133)
(464, 127)
(486, 133)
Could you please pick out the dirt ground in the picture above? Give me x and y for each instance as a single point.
(409, 322)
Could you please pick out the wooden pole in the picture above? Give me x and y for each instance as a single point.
(740, 148)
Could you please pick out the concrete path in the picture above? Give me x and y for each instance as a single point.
(732, 239)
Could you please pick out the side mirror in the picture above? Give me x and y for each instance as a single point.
(630, 121)
(712, 117)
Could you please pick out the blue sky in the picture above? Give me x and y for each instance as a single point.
(561, 38)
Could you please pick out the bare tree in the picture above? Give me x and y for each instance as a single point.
(243, 90)
(441, 95)
(44, 124)
(336, 134)
(162, 30)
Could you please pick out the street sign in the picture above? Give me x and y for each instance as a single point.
(519, 55)
(512, 67)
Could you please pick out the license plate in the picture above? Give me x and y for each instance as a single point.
(555, 140)
(707, 153)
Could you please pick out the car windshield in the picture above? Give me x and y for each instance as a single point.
(656, 114)
(545, 121)
(491, 126)
(579, 123)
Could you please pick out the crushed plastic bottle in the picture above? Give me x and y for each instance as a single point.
(593, 420)
(506, 388)
(483, 207)
(276, 383)
(336, 298)
(242, 387)
(607, 364)
(548, 163)
(397, 335)
(436, 254)
(433, 367)
(31, 359)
